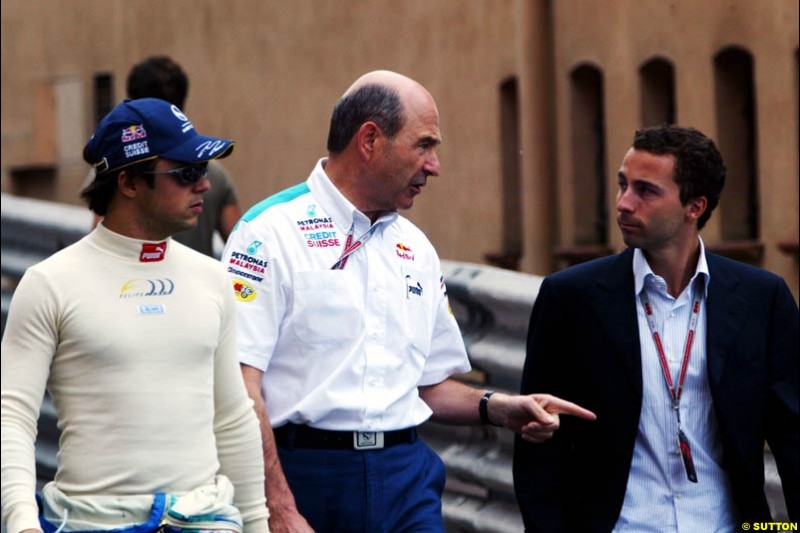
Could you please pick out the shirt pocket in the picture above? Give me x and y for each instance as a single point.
(328, 307)
(418, 317)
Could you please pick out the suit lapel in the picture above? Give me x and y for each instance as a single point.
(615, 307)
(725, 313)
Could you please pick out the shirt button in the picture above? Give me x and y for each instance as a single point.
(672, 315)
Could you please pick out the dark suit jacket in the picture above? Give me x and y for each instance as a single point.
(583, 345)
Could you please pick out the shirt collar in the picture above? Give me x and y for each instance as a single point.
(642, 270)
(128, 248)
(344, 214)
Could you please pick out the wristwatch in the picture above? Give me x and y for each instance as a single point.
(483, 409)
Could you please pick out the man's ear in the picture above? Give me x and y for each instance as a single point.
(367, 139)
(127, 184)
(696, 207)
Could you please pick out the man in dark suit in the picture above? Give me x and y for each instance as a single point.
(689, 360)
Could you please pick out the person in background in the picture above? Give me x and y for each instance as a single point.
(161, 77)
(133, 335)
(347, 342)
(689, 359)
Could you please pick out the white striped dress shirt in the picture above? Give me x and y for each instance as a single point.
(659, 498)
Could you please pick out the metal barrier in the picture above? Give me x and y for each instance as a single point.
(492, 307)
(31, 231)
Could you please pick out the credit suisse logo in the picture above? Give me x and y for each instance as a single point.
(321, 239)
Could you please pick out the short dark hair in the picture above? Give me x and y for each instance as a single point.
(374, 102)
(699, 169)
(158, 77)
(100, 191)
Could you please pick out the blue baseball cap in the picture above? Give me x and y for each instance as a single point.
(147, 128)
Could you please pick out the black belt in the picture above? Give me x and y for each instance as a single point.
(297, 436)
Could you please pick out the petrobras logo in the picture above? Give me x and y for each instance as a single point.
(152, 252)
(244, 291)
(185, 124)
(133, 133)
(413, 288)
(140, 288)
(313, 224)
(253, 247)
(248, 262)
(404, 252)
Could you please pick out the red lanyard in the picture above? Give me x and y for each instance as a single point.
(687, 351)
(675, 393)
(350, 246)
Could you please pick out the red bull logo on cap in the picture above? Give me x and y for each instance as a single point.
(132, 133)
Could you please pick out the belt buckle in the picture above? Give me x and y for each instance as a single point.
(368, 440)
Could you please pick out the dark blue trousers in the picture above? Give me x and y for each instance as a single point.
(393, 490)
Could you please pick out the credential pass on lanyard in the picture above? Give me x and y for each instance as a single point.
(350, 246)
(683, 442)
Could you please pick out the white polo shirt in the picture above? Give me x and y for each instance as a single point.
(340, 349)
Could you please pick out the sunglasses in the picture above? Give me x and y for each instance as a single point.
(188, 175)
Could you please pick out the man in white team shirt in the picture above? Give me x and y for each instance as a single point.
(133, 335)
(346, 338)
